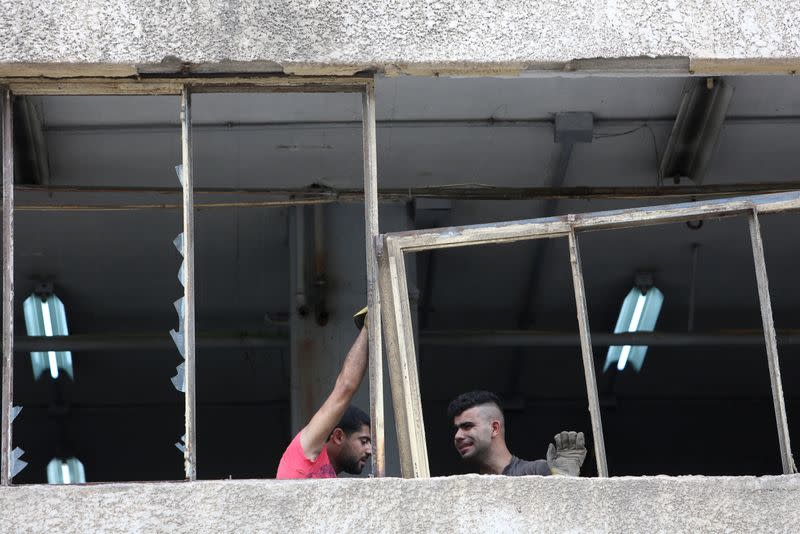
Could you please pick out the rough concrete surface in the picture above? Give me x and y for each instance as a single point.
(469, 503)
(318, 35)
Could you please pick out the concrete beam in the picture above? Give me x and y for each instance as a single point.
(428, 338)
(108, 38)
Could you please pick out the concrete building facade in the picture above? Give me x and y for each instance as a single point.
(444, 73)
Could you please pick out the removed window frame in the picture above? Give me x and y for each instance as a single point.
(396, 311)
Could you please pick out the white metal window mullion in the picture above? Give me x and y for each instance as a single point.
(190, 450)
(8, 288)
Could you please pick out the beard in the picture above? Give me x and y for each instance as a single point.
(476, 453)
(352, 464)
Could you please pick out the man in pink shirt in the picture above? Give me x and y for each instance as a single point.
(338, 436)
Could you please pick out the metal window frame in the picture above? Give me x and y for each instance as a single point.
(184, 88)
(396, 314)
(8, 287)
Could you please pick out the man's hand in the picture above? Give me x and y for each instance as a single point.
(566, 457)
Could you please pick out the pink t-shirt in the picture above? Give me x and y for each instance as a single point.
(294, 463)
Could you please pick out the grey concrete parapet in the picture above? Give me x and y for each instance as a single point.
(468, 503)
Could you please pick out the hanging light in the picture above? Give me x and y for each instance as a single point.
(65, 471)
(45, 316)
(639, 313)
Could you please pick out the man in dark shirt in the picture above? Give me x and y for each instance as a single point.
(480, 440)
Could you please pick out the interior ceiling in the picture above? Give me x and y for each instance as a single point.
(116, 270)
(432, 131)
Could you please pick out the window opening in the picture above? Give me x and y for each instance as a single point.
(396, 314)
(55, 363)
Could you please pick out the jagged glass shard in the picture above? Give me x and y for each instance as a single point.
(17, 465)
(181, 445)
(179, 380)
(178, 242)
(179, 172)
(180, 309)
(182, 274)
(177, 337)
(15, 412)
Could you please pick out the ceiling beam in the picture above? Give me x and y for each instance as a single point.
(39, 198)
(92, 342)
(488, 122)
(428, 338)
(533, 338)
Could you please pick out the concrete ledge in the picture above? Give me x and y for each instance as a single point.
(327, 37)
(469, 503)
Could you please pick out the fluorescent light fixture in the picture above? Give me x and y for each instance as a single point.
(47, 317)
(696, 130)
(65, 471)
(639, 313)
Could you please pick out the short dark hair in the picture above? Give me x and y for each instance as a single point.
(352, 420)
(468, 400)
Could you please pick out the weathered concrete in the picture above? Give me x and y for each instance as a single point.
(457, 504)
(329, 36)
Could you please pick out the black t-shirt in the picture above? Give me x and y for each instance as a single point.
(517, 467)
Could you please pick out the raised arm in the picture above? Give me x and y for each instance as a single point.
(316, 432)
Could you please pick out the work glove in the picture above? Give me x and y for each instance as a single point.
(567, 455)
(360, 318)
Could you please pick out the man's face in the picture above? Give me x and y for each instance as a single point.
(473, 433)
(356, 451)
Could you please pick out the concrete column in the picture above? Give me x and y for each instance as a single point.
(317, 351)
